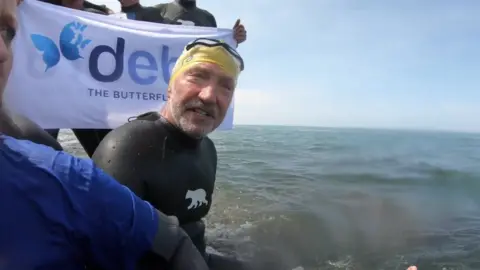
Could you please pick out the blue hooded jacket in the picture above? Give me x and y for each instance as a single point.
(59, 212)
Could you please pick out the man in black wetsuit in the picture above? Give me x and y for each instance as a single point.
(88, 138)
(177, 12)
(166, 158)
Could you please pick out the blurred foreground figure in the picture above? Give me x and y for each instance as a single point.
(60, 212)
(11, 123)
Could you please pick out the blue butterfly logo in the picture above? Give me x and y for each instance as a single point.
(71, 43)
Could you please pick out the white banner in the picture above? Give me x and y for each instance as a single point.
(74, 69)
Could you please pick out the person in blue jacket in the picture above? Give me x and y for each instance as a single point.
(60, 212)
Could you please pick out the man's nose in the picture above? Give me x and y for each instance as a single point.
(208, 93)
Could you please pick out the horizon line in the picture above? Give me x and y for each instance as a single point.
(378, 128)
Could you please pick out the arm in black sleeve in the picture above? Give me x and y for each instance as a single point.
(99, 8)
(33, 132)
(175, 246)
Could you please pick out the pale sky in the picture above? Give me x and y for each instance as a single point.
(349, 63)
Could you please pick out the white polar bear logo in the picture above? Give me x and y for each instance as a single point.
(198, 198)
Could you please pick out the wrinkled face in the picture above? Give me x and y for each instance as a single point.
(7, 33)
(199, 99)
(74, 4)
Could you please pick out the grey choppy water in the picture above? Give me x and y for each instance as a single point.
(346, 199)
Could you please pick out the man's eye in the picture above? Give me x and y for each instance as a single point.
(227, 86)
(200, 75)
(8, 34)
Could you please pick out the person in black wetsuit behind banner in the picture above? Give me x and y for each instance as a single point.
(81, 4)
(183, 12)
(102, 9)
(166, 158)
(88, 138)
(131, 8)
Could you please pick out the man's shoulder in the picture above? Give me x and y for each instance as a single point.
(208, 142)
(208, 146)
(209, 16)
(138, 135)
(133, 130)
(138, 128)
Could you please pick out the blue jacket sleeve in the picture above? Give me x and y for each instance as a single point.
(118, 226)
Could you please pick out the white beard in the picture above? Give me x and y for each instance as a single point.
(185, 125)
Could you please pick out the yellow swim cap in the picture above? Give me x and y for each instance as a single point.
(207, 54)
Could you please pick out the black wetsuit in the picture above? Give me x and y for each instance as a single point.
(91, 7)
(133, 11)
(20, 127)
(174, 172)
(87, 6)
(88, 138)
(178, 12)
